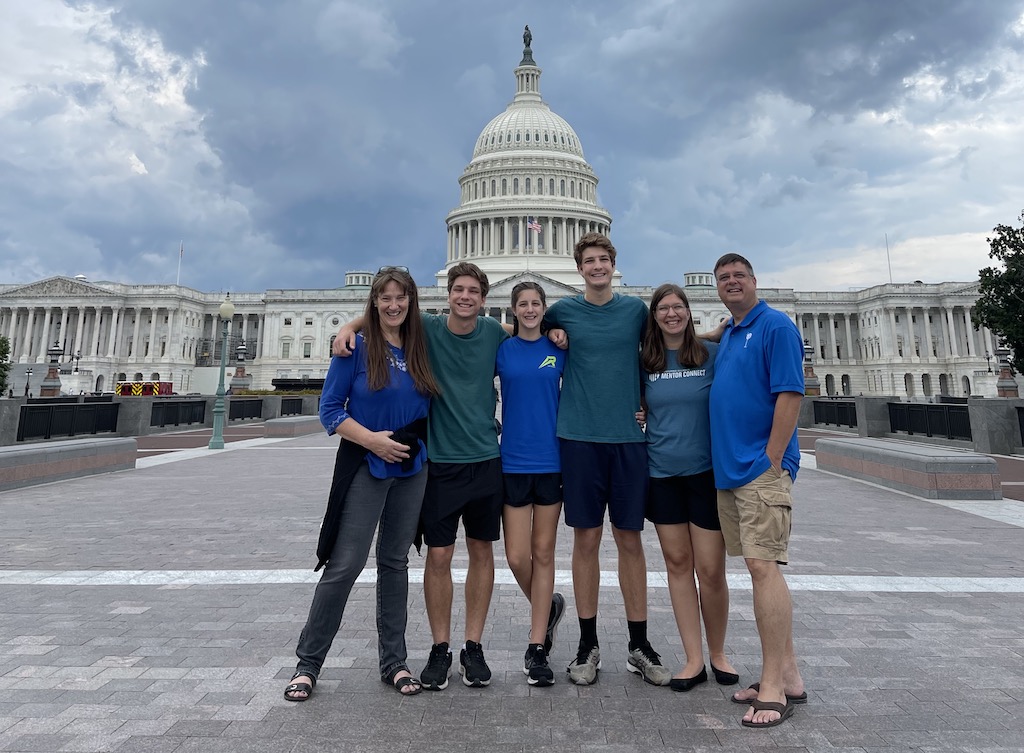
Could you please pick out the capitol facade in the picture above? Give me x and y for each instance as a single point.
(526, 196)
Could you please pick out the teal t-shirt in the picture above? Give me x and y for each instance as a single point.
(461, 425)
(678, 418)
(601, 382)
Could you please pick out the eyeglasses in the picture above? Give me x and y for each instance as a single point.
(675, 308)
(382, 270)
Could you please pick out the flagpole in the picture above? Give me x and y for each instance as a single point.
(181, 252)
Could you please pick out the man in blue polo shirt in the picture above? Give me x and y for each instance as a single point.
(755, 402)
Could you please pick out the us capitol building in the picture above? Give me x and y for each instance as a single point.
(912, 341)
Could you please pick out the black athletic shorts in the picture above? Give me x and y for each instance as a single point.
(684, 499)
(522, 489)
(473, 492)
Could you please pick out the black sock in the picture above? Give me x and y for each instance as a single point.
(637, 633)
(588, 631)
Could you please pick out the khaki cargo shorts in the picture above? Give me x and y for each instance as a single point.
(757, 517)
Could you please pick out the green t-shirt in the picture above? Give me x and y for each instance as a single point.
(601, 381)
(461, 426)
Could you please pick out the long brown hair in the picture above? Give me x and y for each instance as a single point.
(517, 291)
(692, 353)
(414, 341)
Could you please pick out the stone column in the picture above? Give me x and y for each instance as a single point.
(832, 336)
(972, 349)
(135, 333)
(46, 341)
(112, 337)
(817, 336)
(894, 332)
(64, 311)
(927, 333)
(172, 324)
(951, 343)
(849, 338)
(522, 234)
(29, 325)
(152, 334)
(494, 237)
(79, 330)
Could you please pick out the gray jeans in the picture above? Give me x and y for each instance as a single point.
(395, 504)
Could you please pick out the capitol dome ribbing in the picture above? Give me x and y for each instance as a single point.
(528, 193)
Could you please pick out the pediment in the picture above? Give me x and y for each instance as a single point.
(56, 287)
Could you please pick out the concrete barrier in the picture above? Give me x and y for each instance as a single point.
(926, 471)
(292, 426)
(39, 463)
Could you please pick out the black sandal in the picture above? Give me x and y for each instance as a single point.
(300, 687)
(416, 687)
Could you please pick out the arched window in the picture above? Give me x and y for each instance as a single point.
(562, 187)
(527, 182)
(519, 137)
(572, 189)
(540, 185)
(504, 187)
(501, 138)
(492, 188)
(515, 186)
(527, 136)
(476, 191)
(551, 186)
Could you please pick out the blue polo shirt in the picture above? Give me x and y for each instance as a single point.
(757, 359)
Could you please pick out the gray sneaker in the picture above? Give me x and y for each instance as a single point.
(583, 670)
(645, 662)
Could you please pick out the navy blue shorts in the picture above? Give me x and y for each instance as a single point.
(470, 491)
(684, 499)
(596, 476)
(522, 489)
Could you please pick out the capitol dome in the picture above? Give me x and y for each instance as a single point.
(527, 194)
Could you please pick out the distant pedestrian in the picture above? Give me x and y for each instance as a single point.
(755, 402)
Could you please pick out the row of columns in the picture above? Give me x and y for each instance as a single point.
(497, 235)
(888, 341)
(99, 331)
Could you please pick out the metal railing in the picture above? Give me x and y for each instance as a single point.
(177, 412)
(835, 412)
(291, 406)
(1020, 421)
(66, 420)
(240, 408)
(931, 420)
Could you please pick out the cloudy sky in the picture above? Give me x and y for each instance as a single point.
(287, 142)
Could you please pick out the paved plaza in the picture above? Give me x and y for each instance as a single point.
(158, 609)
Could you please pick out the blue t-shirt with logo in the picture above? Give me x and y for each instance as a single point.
(531, 373)
(758, 358)
(678, 421)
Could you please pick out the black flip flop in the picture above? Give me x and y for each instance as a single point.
(792, 700)
(784, 710)
(300, 687)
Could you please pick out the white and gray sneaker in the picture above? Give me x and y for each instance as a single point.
(584, 668)
(645, 662)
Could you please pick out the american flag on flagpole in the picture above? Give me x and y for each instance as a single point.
(532, 224)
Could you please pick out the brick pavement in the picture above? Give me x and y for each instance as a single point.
(908, 619)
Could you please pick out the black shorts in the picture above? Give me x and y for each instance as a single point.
(471, 491)
(598, 476)
(522, 489)
(684, 499)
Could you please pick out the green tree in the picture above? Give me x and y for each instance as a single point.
(5, 367)
(1000, 304)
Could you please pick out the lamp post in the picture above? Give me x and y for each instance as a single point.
(812, 387)
(227, 312)
(28, 377)
(77, 357)
(1006, 385)
(988, 361)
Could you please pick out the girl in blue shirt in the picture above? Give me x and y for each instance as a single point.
(682, 501)
(385, 387)
(530, 368)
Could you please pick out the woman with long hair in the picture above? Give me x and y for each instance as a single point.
(682, 500)
(377, 402)
(530, 368)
